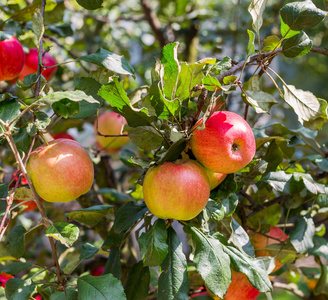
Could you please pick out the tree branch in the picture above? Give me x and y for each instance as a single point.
(153, 22)
(323, 51)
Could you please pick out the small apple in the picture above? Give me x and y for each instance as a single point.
(176, 190)
(225, 145)
(4, 277)
(261, 242)
(239, 288)
(12, 58)
(62, 135)
(97, 271)
(31, 65)
(110, 123)
(60, 171)
(30, 205)
(215, 178)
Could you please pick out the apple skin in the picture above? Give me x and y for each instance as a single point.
(176, 190)
(62, 135)
(260, 242)
(110, 123)
(97, 271)
(4, 277)
(31, 65)
(215, 178)
(61, 171)
(225, 145)
(12, 58)
(239, 288)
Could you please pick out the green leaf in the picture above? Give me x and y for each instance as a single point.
(115, 95)
(127, 215)
(18, 289)
(173, 282)
(215, 209)
(152, 244)
(113, 239)
(191, 75)
(310, 184)
(66, 108)
(9, 110)
(240, 238)
(270, 43)
(274, 156)
(211, 83)
(25, 14)
(319, 121)
(321, 287)
(4, 190)
(114, 195)
(105, 287)
(91, 87)
(66, 233)
(305, 104)
(320, 247)
(261, 101)
(37, 25)
(173, 153)
(322, 199)
(285, 31)
(164, 108)
(137, 283)
(250, 46)
(322, 163)
(212, 263)
(88, 251)
(256, 9)
(42, 120)
(15, 267)
(90, 216)
(145, 137)
(16, 240)
(222, 66)
(110, 61)
(113, 265)
(22, 139)
(253, 268)
(296, 46)
(230, 204)
(230, 79)
(169, 60)
(68, 294)
(302, 234)
(226, 189)
(281, 181)
(90, 4)
(299, 15)
(75, 96)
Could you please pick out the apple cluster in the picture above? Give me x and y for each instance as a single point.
(180, 190)
(14, 63)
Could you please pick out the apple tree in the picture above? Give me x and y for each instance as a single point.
(160, 71)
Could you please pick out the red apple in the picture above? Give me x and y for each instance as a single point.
(4, 277)
(31, 65)
(110, 123)
(62, 135)
(215, 178)
(12, 58)
(97, 271)
(60, 171)
(30, 205)
(225, 145)
(239, 288)
(176, 190)
(261, 242)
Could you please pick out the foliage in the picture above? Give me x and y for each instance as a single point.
(105, 52)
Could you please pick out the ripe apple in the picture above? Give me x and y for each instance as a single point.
(60, 171)
(62, 135)
(97, 271)
(215, 178)
(4, 277)
(110, 123)
(12, 58)
(176, 190)
(31, 65)
(260, 242)
(239, 288)
(225, 145)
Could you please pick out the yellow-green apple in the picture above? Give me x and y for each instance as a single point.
(176, 190)
(239, 288)
(214, 178)
(32, 61)
(4, 277)
(60, 171)
(110, 123)
(12, 57)
(261, 242)
(225, 145)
